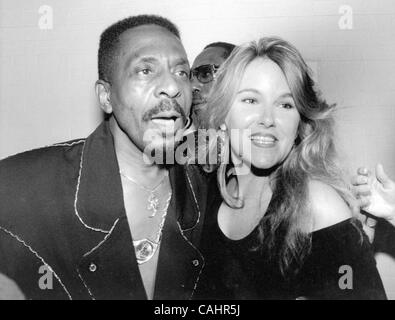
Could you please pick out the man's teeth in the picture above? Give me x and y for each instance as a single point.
(164, 121)
(263, 140)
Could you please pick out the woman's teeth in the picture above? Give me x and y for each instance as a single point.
(264, 140)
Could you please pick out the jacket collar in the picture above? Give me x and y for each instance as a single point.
(100, 204)
(99, 198)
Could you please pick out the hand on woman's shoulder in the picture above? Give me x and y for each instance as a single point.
(326, 205)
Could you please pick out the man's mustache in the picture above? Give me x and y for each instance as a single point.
(197, 96)
(163, 106)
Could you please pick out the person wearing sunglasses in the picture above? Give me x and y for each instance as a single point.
(203, 72)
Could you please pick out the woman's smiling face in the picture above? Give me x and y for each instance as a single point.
(263, 120)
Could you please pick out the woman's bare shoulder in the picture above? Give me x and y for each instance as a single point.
(326, 205)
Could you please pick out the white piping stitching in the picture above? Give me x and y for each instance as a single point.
(66, 144)
(83, 282)
(201, 256)
(104, 240)
(39, 257)
(76, 197)
(48, 146)
(89, 252)
(186, 239)
(196, 202)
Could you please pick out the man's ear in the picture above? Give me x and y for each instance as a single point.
(102, 89)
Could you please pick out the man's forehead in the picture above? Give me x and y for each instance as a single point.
(150, 40)
(153, 54)
(212, 55)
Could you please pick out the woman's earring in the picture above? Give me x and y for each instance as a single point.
(221, 142)
(189, 122)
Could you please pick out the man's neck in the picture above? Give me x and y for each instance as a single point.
(130, 158)
(142, 227)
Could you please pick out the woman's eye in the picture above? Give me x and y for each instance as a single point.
(287, 106)
(249, 100)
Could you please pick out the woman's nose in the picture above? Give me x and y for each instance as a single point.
(267, 117)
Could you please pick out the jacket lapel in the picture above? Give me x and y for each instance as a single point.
(99, 197)
(109, 269)
(180, 261)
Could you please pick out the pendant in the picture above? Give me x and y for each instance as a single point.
(153, 204)
(144, 249)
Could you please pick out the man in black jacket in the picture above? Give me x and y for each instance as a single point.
(110, 216)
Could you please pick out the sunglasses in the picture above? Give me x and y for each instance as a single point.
(204, 73)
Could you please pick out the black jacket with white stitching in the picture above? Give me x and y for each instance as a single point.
(64, 232)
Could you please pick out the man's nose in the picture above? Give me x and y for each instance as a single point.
(196, 86)
(168, 86)
(195, 90)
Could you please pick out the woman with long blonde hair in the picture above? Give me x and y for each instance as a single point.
(281, 223)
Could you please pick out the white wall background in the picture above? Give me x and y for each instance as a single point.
(47, 76)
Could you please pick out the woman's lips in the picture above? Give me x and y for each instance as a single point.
(264, 140)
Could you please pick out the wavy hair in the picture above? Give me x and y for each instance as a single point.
(285, 229)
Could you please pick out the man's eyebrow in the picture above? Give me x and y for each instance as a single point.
(136, 58)
(143, 59)
(181, 61)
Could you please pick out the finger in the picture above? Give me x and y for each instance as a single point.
(363, 202)
(382, 176)
(362, 190)
(368, 225)
(359, 179)
(370, 222)
(363, 171)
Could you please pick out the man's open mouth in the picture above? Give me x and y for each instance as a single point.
(198, 102)
(165, 118)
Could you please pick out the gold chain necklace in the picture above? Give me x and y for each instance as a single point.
(145, 248)
(153, 200)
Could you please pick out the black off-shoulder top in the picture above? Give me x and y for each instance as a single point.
(340, 265)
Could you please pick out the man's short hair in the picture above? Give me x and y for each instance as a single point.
(109, 39)
(228, 47)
